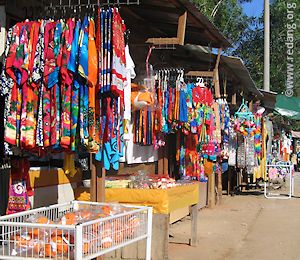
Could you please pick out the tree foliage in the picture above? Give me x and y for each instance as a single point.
(251, 48)
(247, 36)
(227, 16)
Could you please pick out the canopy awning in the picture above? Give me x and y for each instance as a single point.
(288, 106)
(295, 134)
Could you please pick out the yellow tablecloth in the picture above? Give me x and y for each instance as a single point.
(162, 201)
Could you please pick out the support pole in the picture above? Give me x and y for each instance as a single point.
(93, 189)
(97, 189)
(160, 166)
(101, 183)
(211, 190)
(216, 75)
(267, 45)
(166, 159)
(194, 225)
(220, 188)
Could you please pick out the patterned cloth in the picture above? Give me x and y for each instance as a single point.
(53, 76)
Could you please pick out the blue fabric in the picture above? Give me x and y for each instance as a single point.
(83, 53)
(183, 110)
(225, 166)
(72, 65)
(53, 78)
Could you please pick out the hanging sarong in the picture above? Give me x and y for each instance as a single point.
(66, 84)
(72, 66)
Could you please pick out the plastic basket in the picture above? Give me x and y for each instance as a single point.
(59, 238)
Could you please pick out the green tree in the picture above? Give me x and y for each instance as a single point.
(251, 48)
(247, 36)
(228, 17)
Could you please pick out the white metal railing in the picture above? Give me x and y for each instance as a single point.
(284, 171)
(94, 232)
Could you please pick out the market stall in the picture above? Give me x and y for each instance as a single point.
(169, 205)
(67, 88)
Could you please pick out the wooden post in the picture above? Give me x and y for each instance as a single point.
(211, 190)
(216, 75)
(97, 189)
(233, 99)
(166, 159)
(251, 105)
(101, 184)
(229, 180)
(220, 188)
(93, 189)
(181, 28)
(194, 225)
(160, 163)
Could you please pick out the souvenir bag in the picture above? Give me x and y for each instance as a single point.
(19, 190)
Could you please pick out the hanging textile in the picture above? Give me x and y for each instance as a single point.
(20, 189)
(190, 111)
(58, 79)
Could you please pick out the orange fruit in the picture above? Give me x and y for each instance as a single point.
(118, 236)
(106, 209)
(48, 251)
(86, 247)
(70, 215)
(22, 241)
(106, 243)
(38, 247)
(85, 214)
(61, 245)
(42, 220)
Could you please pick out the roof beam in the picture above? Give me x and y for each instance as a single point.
(179, 40)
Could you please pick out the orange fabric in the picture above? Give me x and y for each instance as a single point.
(92, 81)
(93, 59)
(139, 96)
(208, 166)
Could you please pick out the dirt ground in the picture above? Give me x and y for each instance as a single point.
(243, 227)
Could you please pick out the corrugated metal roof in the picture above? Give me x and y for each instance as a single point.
(199, 58)
(238, 67)
(151, 18)
(269, 99)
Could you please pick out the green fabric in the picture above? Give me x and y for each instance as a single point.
(288, 106)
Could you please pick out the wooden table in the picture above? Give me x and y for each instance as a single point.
(168, 205)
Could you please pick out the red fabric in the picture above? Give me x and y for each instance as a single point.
(202, 95)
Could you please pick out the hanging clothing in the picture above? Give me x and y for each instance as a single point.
(92, 83)
(136, 153)
(54, 78)
(66, 83)
(127, 87)
(119, 71)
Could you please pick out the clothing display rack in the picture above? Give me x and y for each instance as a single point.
(61, 4)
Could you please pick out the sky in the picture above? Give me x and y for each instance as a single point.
(254, 8)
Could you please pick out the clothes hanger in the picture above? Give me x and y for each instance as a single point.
(200, 82)
(126, 35)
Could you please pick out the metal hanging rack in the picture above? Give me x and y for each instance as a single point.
(78, 4)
